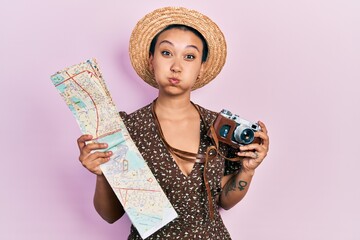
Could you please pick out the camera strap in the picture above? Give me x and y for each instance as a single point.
(184, 155)
(211, 152)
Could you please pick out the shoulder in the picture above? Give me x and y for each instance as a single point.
(207, 115)
(138, 117)
(138, 113)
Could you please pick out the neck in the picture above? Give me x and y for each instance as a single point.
(173, 103)
(173, 107)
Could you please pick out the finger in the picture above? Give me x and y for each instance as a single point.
(95, 146)
(94, 156)
(261, 135)
(248, 150)
(266, 143)
(263, 127)
(87, 158)
(97, 170)
(249, 154)
(251, 147)
(83, 139)
(97, 162)
(264, 138)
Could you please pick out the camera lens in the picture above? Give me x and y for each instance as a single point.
(244, 135)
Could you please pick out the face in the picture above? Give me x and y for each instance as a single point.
(176, 62)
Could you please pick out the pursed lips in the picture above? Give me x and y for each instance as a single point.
(174, 81)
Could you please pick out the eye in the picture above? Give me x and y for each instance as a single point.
(189, 57)
(165, 53)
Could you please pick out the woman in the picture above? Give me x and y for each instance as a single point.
(178, 50)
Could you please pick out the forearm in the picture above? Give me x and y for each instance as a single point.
(106, 202)
(235, 189)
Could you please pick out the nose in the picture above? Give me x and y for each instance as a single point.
(176, 66)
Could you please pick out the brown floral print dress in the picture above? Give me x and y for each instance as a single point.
(187, 194)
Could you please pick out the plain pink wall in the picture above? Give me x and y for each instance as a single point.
(293, 64)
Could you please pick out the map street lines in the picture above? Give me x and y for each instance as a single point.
(85, 93)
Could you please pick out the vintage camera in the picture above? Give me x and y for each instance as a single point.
(233, 130)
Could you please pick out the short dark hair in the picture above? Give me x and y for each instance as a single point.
(184, 28)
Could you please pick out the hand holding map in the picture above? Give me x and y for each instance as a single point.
(85, 93)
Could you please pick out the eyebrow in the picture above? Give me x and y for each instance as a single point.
(188, 46)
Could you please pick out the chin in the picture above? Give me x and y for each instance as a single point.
(174, 90)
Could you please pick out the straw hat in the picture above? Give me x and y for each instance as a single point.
(154, 22)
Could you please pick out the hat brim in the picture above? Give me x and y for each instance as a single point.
(154, 22)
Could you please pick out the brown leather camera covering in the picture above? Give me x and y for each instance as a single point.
(221, 121)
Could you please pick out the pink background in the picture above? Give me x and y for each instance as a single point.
(293, 64)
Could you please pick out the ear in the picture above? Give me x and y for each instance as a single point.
(150, 62)
(202, 67)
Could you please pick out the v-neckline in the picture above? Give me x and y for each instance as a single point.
(186, 176)
(164, 142)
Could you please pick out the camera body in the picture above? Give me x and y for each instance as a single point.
(233, 130)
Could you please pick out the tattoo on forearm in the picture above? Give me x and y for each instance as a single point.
(231, 186)
(242, 185)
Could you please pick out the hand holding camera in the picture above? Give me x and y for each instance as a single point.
(251, 138)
